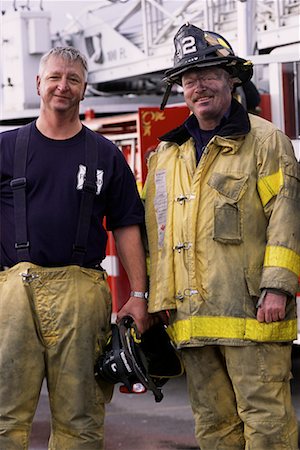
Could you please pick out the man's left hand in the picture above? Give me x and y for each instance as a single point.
(272, 308)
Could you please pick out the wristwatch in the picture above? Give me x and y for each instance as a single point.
(139, 294)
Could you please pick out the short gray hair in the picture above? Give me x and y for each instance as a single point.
(68, 53)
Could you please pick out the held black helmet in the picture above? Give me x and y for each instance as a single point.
(132, 359)
(196, 48)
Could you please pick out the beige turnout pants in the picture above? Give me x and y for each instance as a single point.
(53, 324)
(241, 397)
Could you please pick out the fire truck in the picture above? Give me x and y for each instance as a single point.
(129, 45)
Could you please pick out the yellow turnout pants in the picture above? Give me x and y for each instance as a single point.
(53, 324)
(240, 397)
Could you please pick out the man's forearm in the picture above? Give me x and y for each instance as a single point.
(131, 252)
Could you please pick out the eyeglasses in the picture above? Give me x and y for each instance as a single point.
(192, 79)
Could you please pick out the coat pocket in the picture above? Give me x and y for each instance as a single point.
(227, 224)
(230, 189)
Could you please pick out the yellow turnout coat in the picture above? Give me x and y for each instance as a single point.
(221, 231)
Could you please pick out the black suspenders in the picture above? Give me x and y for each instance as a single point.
(87, 199)
(18, 185)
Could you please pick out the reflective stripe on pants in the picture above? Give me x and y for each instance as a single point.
(53, 323)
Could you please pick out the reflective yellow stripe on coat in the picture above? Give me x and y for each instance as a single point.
(282, 257)
(269, 186)
(232, 328)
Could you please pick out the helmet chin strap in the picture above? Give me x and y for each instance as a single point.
(166, 96)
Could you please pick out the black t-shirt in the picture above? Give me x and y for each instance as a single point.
(202, 137)
(55, 173)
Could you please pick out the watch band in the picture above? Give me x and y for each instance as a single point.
(139, 294)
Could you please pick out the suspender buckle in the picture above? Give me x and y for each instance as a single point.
(21, 245)
(18, 183)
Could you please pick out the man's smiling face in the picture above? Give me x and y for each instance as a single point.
(61, 84)
(208, 94)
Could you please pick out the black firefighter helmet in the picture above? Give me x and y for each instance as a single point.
(130, 358)
(196, 48)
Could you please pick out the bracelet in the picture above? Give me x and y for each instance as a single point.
(139, 294)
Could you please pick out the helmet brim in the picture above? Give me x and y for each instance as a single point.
(239, 68)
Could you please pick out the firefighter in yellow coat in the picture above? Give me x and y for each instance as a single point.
(223, 224)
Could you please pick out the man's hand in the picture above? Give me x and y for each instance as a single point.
(137, 309)
(272, 308)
